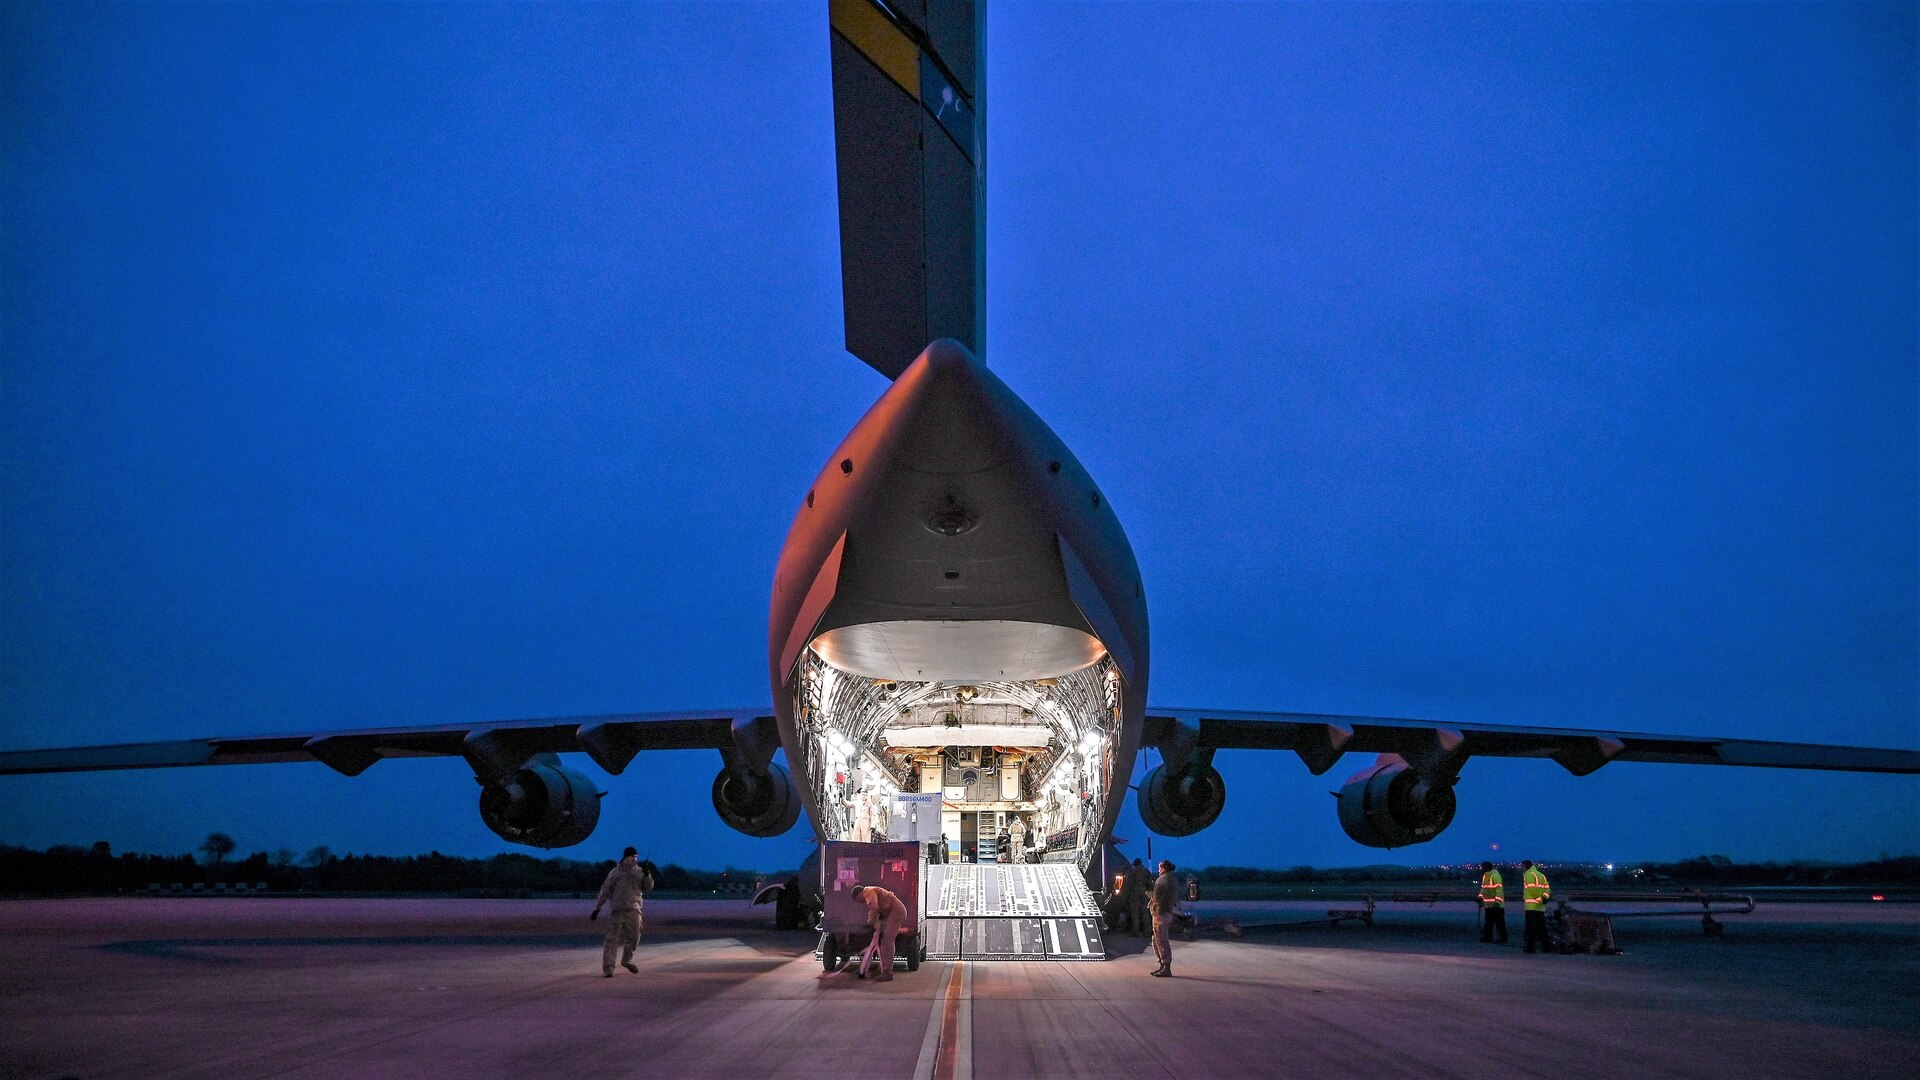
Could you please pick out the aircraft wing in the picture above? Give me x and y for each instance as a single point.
(493, 748)
(1320, 740)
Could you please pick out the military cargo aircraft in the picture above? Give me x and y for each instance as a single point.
(957, 609)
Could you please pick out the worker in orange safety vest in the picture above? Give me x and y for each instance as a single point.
(1534, 885)
(1493, 905)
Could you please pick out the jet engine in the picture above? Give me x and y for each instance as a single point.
(541, 805)
(758, 804)
(1386, 806)
(1184, 803)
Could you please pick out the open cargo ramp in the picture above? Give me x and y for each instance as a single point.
(1011, 911)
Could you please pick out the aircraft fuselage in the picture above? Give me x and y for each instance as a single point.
(954, 560)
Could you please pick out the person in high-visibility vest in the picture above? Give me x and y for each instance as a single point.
(1534, 885)
(1493, 904)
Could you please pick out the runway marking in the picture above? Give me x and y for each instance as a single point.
(930, 1044)
(946, 1053)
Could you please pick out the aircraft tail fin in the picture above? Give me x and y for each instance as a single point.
(910, 137)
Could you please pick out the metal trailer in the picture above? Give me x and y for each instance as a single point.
(1698, 901)
(1569, 928)
(893, 865)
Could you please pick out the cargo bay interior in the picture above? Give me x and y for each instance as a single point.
(1022, 765)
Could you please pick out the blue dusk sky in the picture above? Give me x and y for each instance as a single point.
(372, 364)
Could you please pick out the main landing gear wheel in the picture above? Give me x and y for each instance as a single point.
(915, 953)
(829, 952)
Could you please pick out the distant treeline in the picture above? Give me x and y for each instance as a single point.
(1701, 869)
(98, 870)
(1313, 875)
(1708, 869)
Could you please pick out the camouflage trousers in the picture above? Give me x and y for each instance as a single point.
(623, 935)
(1163, 940)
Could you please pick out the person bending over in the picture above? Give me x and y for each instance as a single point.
(887, 915)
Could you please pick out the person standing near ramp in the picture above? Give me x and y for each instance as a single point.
(1139, 882)
(624, 891)
(1534, 884)
(1493, 904)
(1165, 897)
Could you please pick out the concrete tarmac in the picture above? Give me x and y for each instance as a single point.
(256, 987)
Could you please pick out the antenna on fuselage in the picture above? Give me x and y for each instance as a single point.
(909, 125)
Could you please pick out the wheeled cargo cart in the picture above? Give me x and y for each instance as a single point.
(894, 866)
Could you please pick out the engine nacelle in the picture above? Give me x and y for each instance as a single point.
(763, 804)
(1182, 804)
(1384, 806)
(541, 805)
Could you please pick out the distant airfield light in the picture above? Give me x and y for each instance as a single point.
(1609, 867)
(1879, 896)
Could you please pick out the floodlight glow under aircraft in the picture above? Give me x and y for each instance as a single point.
(957, 608)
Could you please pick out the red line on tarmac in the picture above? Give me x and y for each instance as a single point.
(948, 1055)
